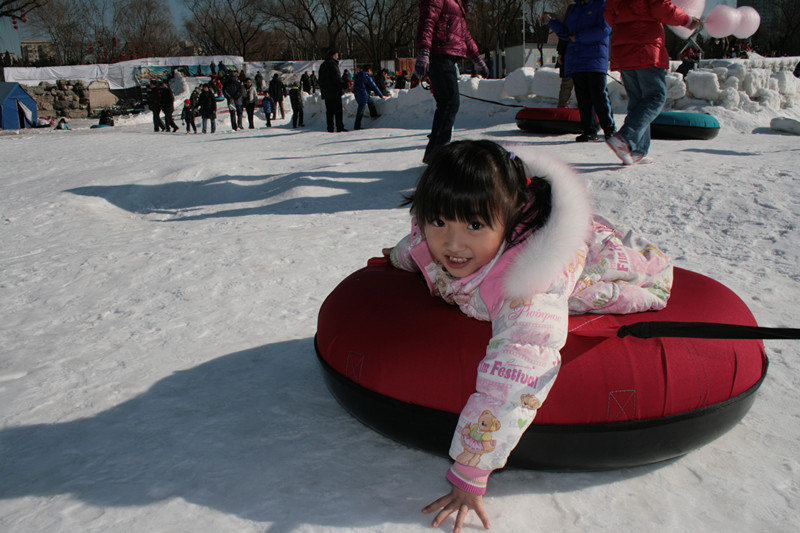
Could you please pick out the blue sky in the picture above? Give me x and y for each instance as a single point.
(10, 38)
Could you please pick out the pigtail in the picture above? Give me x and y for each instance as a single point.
(535, 199)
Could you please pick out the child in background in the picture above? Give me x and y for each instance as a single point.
(296, 99)
(187, 115)
(511, 239)
(268, 105)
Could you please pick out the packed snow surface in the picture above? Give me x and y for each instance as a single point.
(159, 302)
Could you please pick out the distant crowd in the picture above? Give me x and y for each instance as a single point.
(243, 94)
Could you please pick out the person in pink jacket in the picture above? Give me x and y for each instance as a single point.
(511, 238)
(639, 53)
(442, 39)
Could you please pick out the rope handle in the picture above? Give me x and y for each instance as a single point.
(704, 330)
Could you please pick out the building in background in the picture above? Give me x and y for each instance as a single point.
(34, 50)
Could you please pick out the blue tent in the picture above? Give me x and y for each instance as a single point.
(17, 108)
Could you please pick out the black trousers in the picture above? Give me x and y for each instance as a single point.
(333, 112)
(592, 96)
(158, 124)
(444, 84)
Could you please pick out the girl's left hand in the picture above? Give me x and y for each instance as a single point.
(461, 501)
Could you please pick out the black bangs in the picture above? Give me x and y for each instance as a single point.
(460, 184)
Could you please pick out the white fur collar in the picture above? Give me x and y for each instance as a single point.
(546, 253)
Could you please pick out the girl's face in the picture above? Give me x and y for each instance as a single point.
(463, 247)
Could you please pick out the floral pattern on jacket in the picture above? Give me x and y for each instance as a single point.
(576, 263)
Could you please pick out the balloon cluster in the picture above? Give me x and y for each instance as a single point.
(721, 21)
(741, 22)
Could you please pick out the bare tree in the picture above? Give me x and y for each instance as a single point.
(784, 36)
(146, 25)
(231, 27)
(19, 8)
(65, 26)
(380, 27)
(313, 25)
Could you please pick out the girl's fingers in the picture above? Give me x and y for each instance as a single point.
(442, 516)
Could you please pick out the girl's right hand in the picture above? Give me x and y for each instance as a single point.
(461, 501)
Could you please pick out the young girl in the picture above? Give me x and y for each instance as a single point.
(511, 239)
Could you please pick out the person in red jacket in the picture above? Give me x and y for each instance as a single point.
(638, 52)
(443, 38)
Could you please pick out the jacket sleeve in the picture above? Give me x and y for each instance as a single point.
(668, 13)
(521, 364)
(429, 12)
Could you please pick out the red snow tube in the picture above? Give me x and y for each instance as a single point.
(549, 120)
(667, 125)
(404, 363)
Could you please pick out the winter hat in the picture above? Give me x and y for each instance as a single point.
(187, 102)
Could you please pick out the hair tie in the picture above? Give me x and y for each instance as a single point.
(512, 156)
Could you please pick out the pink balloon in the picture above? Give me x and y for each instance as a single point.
(722, 20)
(750, 21)
(694, 8)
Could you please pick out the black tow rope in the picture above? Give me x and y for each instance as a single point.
(490, 101)
(705, 330)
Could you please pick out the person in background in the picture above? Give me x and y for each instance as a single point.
(268, 105)
(296, 101)
(187, 115)
(259, 82)
(167, 100)
(639, 54)
(250, 99)
(402, 80)
(154, 103)
(586, 61)
(305, 82)
(443, 38)
(233, 92)
(208, 107)
(278, 91)
(363, 85)
(331, 87)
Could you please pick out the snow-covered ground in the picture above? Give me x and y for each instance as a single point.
(159, 300)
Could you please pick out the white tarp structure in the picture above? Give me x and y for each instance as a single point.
(119, 75)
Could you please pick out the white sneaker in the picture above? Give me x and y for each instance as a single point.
(639, 159)
(620, 148)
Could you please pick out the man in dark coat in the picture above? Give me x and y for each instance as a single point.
(168, 106)
(154, 103)
(332, 88)
(233, 91)
(278, 92)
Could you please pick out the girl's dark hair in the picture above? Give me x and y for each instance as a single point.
(481, 181)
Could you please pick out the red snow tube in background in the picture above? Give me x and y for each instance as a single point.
(549, 120)
(404, 363)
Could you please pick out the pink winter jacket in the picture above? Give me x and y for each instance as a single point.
(442, 29)
(576, 263)
(637, 32)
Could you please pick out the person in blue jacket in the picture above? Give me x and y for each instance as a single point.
(268, 105)
(362, 86)
(587, 34)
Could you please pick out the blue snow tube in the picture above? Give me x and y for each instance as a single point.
(684, 125)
